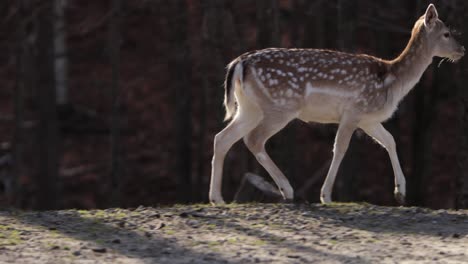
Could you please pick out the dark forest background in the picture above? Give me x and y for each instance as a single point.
(116, 103)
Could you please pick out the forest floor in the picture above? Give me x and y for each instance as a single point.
(236, 233)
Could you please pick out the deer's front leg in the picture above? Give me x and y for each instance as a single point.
(343, 136)
(384, 138)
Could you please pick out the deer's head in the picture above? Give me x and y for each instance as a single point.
(441, 42)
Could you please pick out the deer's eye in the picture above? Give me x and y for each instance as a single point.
(447, 35)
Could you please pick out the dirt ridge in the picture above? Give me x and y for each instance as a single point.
(236, 233)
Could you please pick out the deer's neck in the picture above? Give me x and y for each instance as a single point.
(410, 65)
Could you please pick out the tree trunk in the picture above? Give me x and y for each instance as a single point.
(26, 149)
(314, 28)
(212, 41)
(268, 33)
(461, 199)
(23, 58)
(115, 140)
(60, 52)
(181, 72)
(48, 138)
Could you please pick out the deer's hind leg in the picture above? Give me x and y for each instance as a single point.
(255, 142)
(247, 117)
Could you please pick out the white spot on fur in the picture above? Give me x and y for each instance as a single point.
(273, 82)
(389, 80)
(259, 82)
(293, 85)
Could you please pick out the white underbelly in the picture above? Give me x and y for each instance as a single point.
(322, 108)
(325, 104)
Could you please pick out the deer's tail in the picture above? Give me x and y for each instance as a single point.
(233, 80)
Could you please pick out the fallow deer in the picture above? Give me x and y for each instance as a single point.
(266, 89)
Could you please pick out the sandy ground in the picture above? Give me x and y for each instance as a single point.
(237, 233)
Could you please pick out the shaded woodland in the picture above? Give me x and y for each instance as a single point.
(116, 103)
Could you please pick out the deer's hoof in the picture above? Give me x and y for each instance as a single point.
(325, 200)
(287, 193)
(217, 203)
(216, 200)
(400, 198)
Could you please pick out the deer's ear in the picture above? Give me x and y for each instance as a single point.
(431, 16)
